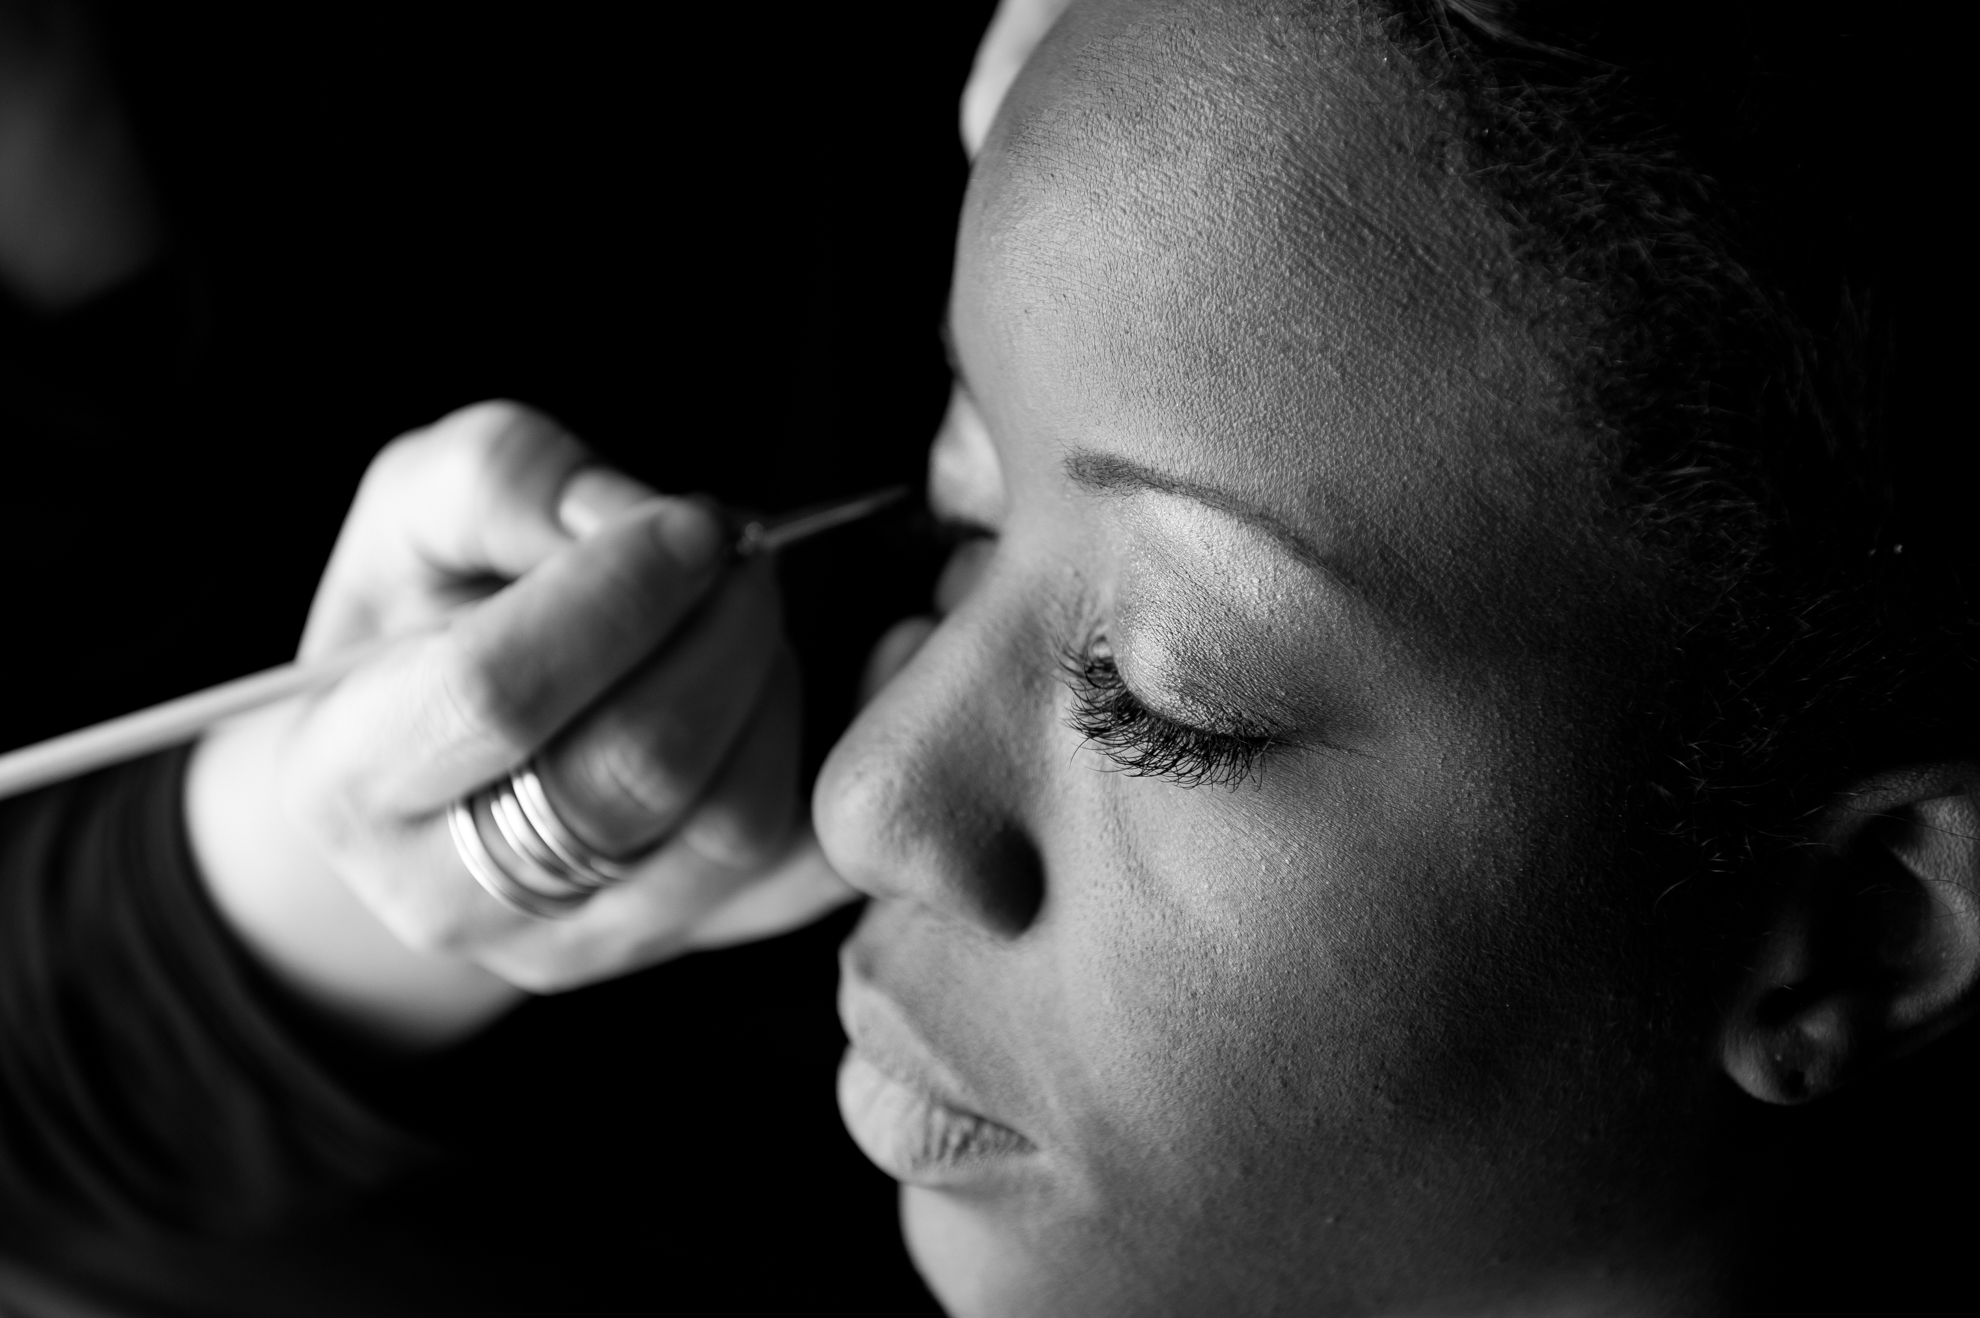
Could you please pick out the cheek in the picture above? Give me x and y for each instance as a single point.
(1264, 983)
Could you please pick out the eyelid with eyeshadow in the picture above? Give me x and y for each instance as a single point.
(1145, 744)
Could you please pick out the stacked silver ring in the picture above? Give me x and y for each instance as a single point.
(555, 872)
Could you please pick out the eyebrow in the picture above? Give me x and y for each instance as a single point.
(1108, 473)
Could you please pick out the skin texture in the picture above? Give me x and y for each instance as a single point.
(1252, 391)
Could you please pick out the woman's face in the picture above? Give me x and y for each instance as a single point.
(1252, 924)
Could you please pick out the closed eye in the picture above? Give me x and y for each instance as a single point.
(1145, 744)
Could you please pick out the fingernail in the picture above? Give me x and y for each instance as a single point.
(694, 534)
(594, 496)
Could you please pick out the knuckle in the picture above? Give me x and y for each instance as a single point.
(502, 440)
(479, 427)
(493, 436)
(408, 450)
(484, 446)
(393, 470)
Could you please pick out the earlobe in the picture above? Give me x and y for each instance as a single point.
(1872, 947)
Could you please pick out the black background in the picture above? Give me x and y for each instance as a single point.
(715, 242)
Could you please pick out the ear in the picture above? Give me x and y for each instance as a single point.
(1872, 945)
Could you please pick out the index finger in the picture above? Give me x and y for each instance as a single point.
(440, 716)
(487, 492)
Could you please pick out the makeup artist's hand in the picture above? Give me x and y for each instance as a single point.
(602, 630)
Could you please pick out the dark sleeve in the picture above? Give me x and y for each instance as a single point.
(150, 1076)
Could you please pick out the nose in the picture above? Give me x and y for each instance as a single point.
(925, 797)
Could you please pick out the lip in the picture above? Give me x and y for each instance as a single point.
(904, 1109)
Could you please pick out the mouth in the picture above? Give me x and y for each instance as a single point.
(904, 1109)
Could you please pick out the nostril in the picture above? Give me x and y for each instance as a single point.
(1010, 887)
(912, 832)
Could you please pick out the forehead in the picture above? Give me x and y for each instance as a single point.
(1238, 242)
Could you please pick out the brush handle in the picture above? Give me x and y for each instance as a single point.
(173, 722)
(181, 720)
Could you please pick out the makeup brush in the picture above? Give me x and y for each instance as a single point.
(181, 720)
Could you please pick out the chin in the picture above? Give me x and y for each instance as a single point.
(973, 1267)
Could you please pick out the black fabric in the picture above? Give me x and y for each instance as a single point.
(149, 1077)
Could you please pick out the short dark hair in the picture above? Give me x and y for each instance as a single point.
(1741, 199)
(1724, 195)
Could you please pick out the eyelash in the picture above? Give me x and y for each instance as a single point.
(1141, 742)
